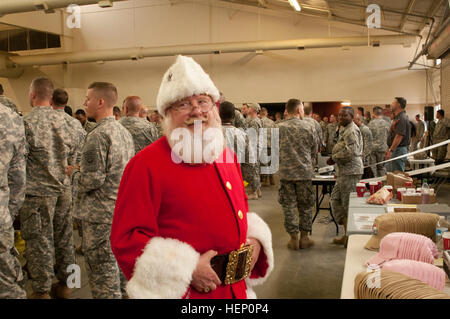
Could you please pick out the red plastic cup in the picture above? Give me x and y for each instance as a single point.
(380, 185)
(400, 191)
(389, 188)
(373, 187)
(360, 189)
(446, 240)
(408, 184)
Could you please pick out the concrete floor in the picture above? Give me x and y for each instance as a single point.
(314, 273)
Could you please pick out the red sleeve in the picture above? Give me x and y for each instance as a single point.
(135, 214)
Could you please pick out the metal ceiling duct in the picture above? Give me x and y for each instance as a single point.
(441, 45)
(209, 48)
(16, 6)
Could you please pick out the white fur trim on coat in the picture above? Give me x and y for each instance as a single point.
(184, 79)
(258, 229)
(164, 270)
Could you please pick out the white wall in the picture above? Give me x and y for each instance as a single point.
(362, 75)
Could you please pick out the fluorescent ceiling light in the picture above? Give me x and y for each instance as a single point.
(438, 61)
(346, 103)
(295, 5)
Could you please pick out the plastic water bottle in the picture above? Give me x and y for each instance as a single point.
(425, 192)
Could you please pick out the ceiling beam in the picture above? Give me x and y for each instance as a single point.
(352, 4)
(435, 5)
(408, 11)
(363, 24)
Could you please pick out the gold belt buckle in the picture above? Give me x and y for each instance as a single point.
(233, 261)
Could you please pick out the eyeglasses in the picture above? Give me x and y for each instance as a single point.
(186, 106)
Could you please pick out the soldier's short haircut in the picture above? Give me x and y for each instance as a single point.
(43, 88)
(418, 115)
(441, 112)
(292, 105)
(68, 110)
(377, 110)
(106, 91)
(350, 110)
(226, 111)
(80, 111)
(361, 109)
(308, 109)
(60, 97)
(116, 110)
(264, 111)
(401, 101)
(133, 103)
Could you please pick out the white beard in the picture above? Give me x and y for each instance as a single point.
(201, 146)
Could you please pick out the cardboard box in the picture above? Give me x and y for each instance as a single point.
(397, 180)
(410, 199)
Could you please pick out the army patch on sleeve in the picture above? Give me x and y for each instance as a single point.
(90, 160)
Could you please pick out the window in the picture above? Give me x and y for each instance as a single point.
(23, 40)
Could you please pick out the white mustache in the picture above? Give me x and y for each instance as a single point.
(191, 121)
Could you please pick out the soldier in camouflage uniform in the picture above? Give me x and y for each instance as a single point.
(267, 124)
(106, 152)
(59, 101)
(237, 140)
(80, 115)
(46, 228)
(420, 134)
(158, 123)
(330, 135)
(366, 134)
(347, 155)
(297, 144)
(317, 132)
(6, 101)
(12, 195)
(323, 124)
(441, 133)
(143, 132)
(253, 125)
(239, 120)
(380, 131)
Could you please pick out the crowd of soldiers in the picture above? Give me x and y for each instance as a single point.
(56, 168)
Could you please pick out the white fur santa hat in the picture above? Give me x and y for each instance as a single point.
(183, 79)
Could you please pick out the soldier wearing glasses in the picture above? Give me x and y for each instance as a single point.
(180, 221)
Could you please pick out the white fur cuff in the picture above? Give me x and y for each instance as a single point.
(164, 270)
(259, 230)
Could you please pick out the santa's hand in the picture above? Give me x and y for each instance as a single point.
(256, 249)
(204, 278)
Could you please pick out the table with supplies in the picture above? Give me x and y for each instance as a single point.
(327, 183)
(361, 215)
(355, 263)
(420, 163)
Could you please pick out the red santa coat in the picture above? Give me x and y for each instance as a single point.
(168, 214)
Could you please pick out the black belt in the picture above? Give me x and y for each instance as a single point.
(233, 267)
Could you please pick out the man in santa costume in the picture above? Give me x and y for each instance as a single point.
(181, 226)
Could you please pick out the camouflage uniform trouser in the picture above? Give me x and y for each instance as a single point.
(293, 195)
(10, 271)
(340, 196)
(47, 228)
(266, 177)
(250, 173)
(101, 265)
(378, 157)
(440, 152)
